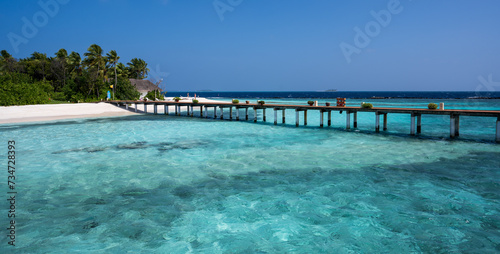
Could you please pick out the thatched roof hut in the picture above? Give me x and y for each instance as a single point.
(144, 86)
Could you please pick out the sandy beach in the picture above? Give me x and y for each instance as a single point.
(50, 112)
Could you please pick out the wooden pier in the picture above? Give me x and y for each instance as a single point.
(415, 123)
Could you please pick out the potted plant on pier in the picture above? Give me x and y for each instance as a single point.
(366, 105)
(235, 101)
(327, 104)
(195, 101)
(176, 99)
(247, 102)
(310, 103)
(261, 102)
(432, 106)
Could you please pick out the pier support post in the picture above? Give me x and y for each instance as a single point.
(188, 113)
(329, 118)
(254, 115)
(412, 124)
(246, 114)
(348, 120)
(126, 106)
(215, 112)
(231, 113)
(206, 112)
(283, 112)
(221, 113)
(145, 108)
(275, 116)
(355, 119)
(497, 139)
(165, 109)
(305, 117)
(457, 125)
(377, 121)
(419, 123)
(264, 114)
(296, 118)
(176, 109)
(155, 109)
(237, 114)
(385, 121)
(452, 125)
(136, 108)
(321, 118)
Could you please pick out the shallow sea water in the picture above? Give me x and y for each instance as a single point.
(165, 184)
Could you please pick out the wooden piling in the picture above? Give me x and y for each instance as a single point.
(296, 118)
(145, 108)
(165, 109)
(283, 112)
(385, 121)
(275, 116)
(377, 121)
(355, 124)
(452, 126)
(329, 118)
(155, 109)
(348, 120)
(215, 112)
(230, 113)
(305, 117)
(457, 125)
(246, 114)
(237, 114)
(136, 108)
(321, 118)
(264, 114)
(419, 123)
(254, 115)
(412, 124)
(126, 106)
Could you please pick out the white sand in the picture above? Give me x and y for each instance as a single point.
(49, 112)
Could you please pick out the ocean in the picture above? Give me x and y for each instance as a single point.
(178, 184)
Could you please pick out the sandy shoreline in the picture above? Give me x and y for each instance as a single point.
(52, 112)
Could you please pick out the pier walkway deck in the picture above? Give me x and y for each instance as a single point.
(415, 113)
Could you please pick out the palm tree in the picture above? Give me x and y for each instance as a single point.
(138, 67)
(112, 58)
(94, 59)
(41, 60)
(61, 62)
(75, 63)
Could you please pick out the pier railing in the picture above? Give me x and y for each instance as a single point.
(415, 113)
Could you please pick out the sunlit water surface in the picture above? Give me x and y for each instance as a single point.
(166, 184)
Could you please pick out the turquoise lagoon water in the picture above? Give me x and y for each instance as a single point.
(165, 184)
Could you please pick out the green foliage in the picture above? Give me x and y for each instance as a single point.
(155, 94)
(367, 105)
(68, 77)
(261, 102)
(176, 99)
(310, 103)
(432, 106)
(19, 89)
(236, 101)
(126, 91)
(195, 101)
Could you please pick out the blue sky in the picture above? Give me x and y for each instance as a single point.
(257, 45)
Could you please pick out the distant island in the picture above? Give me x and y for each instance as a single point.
(205, 91)
(331, 90)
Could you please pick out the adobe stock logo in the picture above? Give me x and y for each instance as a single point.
(29, 30)
(372, 29)
(221, 7)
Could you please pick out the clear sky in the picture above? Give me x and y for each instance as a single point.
(281, 45)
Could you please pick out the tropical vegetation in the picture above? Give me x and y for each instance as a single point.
(67, 77)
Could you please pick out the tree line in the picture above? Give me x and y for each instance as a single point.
(67, 77)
